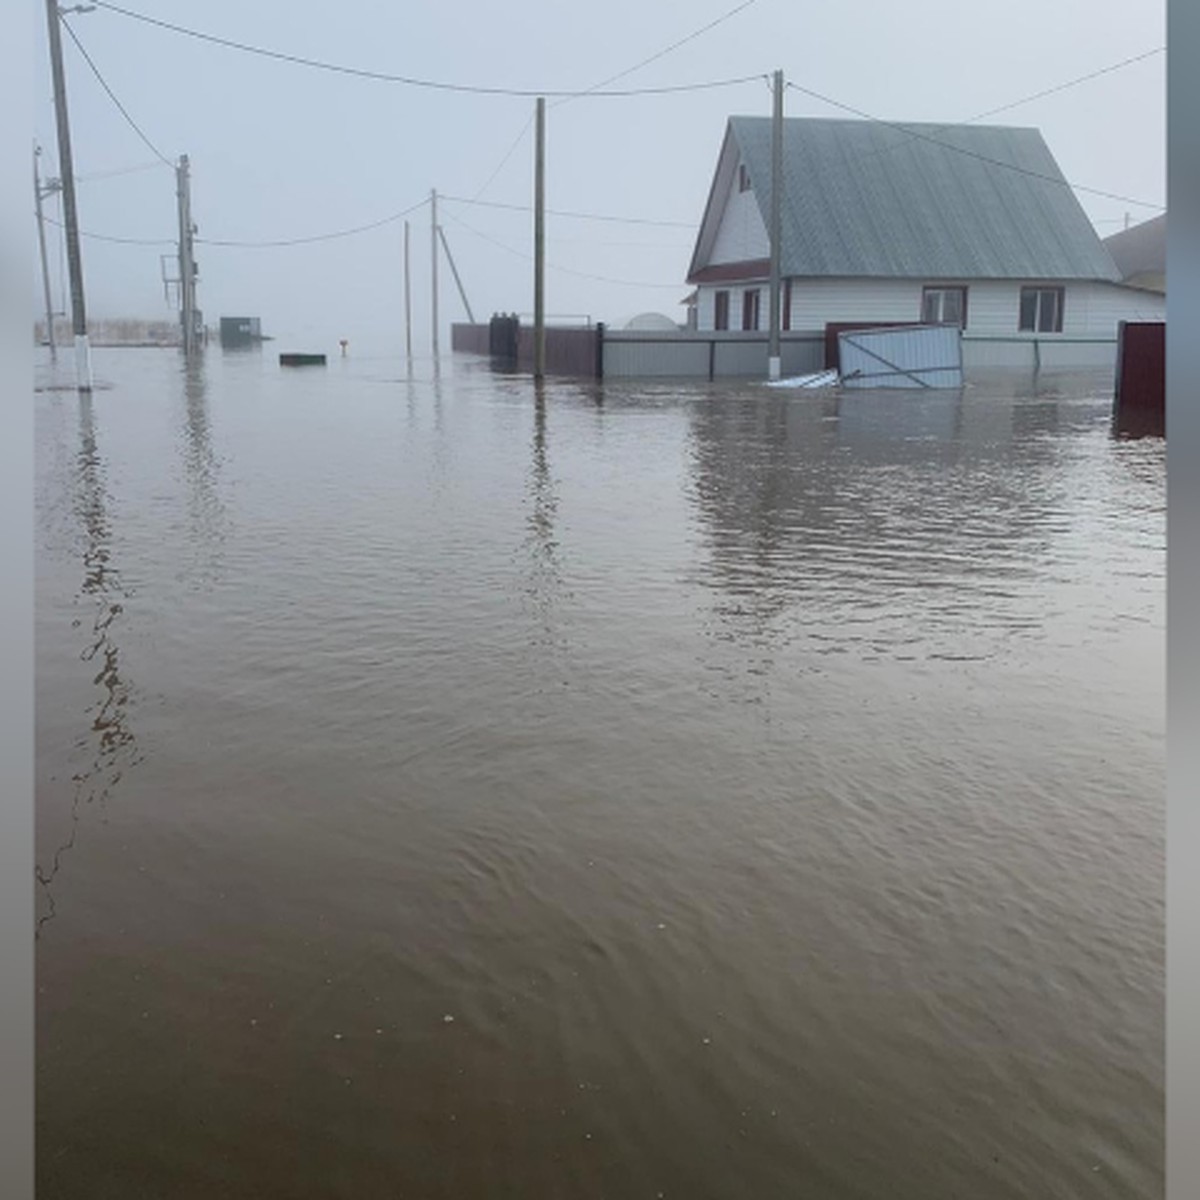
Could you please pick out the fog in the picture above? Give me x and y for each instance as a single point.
(280, 150)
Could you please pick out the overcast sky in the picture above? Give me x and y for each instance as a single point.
(280, 150)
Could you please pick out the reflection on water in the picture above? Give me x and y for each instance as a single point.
(207, 516)
(598, 790)
(544, 571)
(110, 744)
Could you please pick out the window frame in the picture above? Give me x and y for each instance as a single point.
(750, 309)
(721, 309)
(743, 177)
(941, 290)
(1038, 291)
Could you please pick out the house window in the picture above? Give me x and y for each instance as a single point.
(1041, 310)
(750, 308)
(944, 306)
(721, 310)
(743, 178)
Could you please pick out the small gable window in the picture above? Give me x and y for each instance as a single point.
(743, 178)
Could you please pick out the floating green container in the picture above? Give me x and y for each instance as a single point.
(302, 360)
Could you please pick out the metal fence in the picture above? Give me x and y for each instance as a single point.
(595, 351)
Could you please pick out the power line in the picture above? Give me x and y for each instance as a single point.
(733, 12)
(1050, 91)
(1070, 83)
(115, 171)
(562, 270)
(300, 241)
(604, 83)
(508, 154)
(409, 80)
(317, 237)
(908, 131)
(125, 241)
(564, 213)
(112, 95)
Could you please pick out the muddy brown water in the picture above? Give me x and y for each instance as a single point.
(637, 790)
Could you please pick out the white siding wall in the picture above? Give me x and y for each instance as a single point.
(741, 235)
(817, 302)
(993, 306)
(1103, 305)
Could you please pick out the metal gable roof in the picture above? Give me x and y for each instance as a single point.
(919, 200)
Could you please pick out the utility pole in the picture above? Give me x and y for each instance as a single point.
(37, 192)
(83, 350)
(539, 244)
(454, 272)
(407, 302)
(187, 261)
(433, 241)
(774, 368)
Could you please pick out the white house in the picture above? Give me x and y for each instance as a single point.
(1140, 253)
(966, 224)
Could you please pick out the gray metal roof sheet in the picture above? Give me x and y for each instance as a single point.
(862, 198)
(1140, 248)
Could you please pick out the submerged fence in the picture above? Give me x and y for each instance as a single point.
(597, 352)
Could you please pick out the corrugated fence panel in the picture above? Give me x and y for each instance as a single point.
(928, 356)
(664, 357)
(471, 339)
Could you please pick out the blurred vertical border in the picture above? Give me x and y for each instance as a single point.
(1183, 600)
(16, 600)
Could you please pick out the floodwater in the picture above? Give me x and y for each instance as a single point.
(648, 790)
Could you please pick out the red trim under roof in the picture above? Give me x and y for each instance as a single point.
(757, 268)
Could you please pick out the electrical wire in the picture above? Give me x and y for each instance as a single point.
(409, 80)
(582, 216)
(115, 171)
(552, 266)
(611, 79)
(108, 237)
(995, 162)
(1050, 91)
(508, 154)
(733, 12)
(1070, 83)
(316, 237)
(112, 95)
(300, 241)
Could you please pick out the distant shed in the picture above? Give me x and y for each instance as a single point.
(240, 331)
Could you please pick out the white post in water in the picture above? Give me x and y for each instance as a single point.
(539, 243)
(66, 170)
(774, 360)
(433, 263)
(407, 302)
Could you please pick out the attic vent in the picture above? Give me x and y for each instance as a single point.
(743, 178)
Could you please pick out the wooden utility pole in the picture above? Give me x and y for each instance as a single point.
(454, 272)
(774, 360)
(407, 301)
(539, 245)
(66, 170)
(38, 194)
(187, 261)
(433, 247)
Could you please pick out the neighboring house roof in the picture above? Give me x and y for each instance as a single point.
(861, 198)
(1140, 252)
